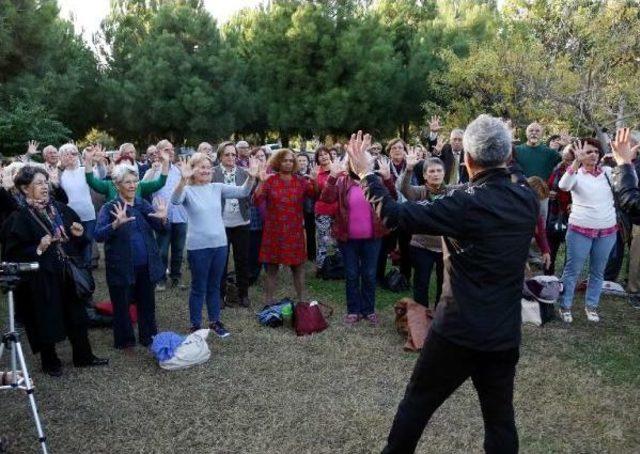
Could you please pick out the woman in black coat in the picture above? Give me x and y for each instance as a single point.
(46, 302)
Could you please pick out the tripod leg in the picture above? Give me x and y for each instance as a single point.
(32, 400)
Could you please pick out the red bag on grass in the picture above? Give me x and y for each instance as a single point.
(106, 308)
(308, 318)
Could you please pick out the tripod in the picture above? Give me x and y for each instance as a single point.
(11, 342)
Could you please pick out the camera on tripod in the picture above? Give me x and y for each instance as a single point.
(15, 268)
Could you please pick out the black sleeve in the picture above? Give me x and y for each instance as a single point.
(441, 217)
(69, 216)
(20, 241)
(59, 195)
(625, 183)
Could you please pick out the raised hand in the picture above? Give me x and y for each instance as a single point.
(578, 152)
(87, 157)
(185, 168)
(336, 168)
(434, 124)
(361, 161)
(263, 175)
(623, 153)
(99, 151)
(119, 212)
(313, 171)
(565, 138)
(437, 149)
(77, 229)
(32, 147)
(161, 209)
(254, 167)
(384, 167)
(412, 158)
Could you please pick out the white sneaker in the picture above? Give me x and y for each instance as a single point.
(592, 315)
(565, 315)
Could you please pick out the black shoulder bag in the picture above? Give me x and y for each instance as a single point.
(84, 285)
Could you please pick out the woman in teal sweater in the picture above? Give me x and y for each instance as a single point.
(108, 188)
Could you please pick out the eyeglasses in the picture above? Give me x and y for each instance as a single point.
(288, 160)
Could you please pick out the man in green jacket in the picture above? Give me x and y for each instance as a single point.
(535, 158)
(108, 188)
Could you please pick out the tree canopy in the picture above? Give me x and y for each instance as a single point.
(165, 68)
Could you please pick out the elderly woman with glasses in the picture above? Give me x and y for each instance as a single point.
(283, 241)
(49, 233)
(133, 265)
(592, 226)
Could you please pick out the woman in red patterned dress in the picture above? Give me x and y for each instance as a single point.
(283, 241)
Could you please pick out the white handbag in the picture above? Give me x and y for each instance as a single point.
(194, 350)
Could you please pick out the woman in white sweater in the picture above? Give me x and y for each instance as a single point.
(592, 226)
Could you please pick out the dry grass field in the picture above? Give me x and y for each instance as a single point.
(266, 391)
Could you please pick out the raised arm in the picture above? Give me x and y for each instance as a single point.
(625, 179)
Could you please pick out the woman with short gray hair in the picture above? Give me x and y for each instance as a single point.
(132, 259)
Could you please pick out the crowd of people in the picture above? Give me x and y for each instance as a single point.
(265, 209)
(468, 209)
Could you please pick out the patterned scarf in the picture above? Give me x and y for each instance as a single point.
(49, 215)
(230, 179)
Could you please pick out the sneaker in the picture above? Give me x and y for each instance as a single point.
(219, 329)
(592, 315)
(351, 319)
(565, 315)
(161, 286)
(175, 283)
(373, 319)
(634, 300)
(193, 329)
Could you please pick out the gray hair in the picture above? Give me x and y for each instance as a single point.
(121, 171)
(68, 148)
(488, 141)
(432, 162)
(49, 148)
(126, 145)
(457, 131)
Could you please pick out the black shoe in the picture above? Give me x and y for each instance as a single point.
(91, 362)
(52, 371)
(245, 302)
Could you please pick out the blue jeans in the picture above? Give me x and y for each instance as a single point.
(360, 260)
(175, 237)
(207, 267)
(87, 251)
(579, 247)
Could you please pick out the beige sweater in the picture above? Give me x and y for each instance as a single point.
(419, 194)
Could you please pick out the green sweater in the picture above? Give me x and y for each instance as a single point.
(108, 187)
(537, 161)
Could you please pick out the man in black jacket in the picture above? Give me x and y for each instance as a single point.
(625, 183)
(487, 227)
